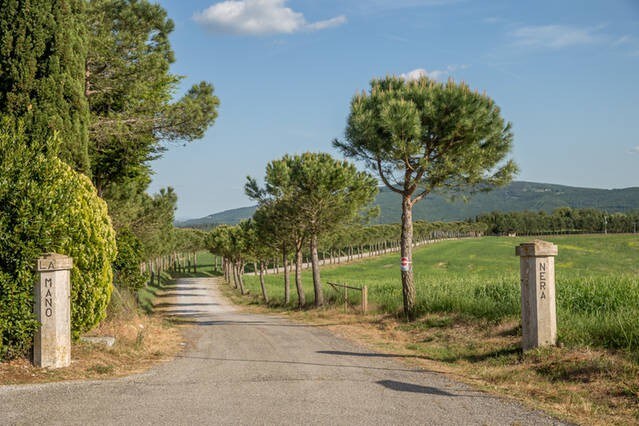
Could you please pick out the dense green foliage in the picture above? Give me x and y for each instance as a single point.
(564, 220)
(47, 207)
(597, 283)
(42, 58)
(126, 267)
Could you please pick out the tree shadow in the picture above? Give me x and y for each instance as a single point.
(178, 294)
(174, 287)
(367, 354)
(177, 305)
(291, 362)
(413, 388)
(497, 353)
(192, 320)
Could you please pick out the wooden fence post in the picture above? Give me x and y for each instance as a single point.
(364, 299)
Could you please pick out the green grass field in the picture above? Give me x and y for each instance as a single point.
(597, 281)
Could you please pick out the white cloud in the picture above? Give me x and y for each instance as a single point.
(554, 36)
(622, 40)
(434, 74)
(259, 17)
(635, 150)
(420, 72)
(333, 22)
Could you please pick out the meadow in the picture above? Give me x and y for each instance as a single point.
(597, 281)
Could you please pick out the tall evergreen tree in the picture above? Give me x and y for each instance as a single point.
(42, 62)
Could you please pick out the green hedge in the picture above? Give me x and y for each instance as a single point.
(47, 207)
(127, 265)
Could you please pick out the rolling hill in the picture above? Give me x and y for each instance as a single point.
(518, 196)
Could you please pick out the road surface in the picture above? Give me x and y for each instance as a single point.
(254, 369)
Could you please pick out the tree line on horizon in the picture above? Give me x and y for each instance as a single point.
(563, 220)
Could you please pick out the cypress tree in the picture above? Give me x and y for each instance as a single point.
(42, 65)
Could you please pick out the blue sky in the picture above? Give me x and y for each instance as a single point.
(565, 73)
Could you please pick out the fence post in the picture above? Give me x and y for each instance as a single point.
(52, 343)
(365, 299)
(538, 308)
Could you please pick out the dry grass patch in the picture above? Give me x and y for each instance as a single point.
(141, 341)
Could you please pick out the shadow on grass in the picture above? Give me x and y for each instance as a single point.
(448, 358)
(475, 357)
(368, 354)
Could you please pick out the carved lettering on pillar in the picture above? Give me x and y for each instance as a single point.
(542, 280)
(48, 298)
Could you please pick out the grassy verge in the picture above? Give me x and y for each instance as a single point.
(468, 294)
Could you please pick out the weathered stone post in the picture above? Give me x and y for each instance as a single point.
(538, 308)
(52, 346)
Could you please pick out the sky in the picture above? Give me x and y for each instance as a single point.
(564, 73)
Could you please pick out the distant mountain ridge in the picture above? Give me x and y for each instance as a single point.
(518, 196)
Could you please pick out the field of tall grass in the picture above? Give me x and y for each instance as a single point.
(597, 283)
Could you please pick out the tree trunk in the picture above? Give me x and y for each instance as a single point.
(264, 295)
(301, 299)
(287, 281)
(240, 281)
(235, 276)
(408, 284)
(317, 284)
(194, 262)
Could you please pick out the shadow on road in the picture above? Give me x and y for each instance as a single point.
(179, 305)
(268, 361)
(173, 287)
(409, 387)
(195, 315)
(178, 294)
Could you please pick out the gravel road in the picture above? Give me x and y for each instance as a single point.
(252, 369)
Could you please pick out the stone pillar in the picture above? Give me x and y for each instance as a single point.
(538, 308)
(52, 345)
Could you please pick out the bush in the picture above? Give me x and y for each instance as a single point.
(47, 207)
(127, 264)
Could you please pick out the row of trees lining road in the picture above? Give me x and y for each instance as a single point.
(561, 221)
(423, 135)
(87, 82)
(305, 197)
(251, 242)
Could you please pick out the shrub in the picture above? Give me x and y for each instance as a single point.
(47, 207)
(127, 264)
